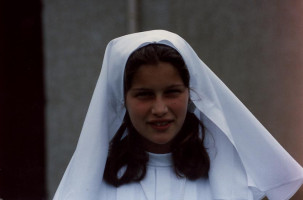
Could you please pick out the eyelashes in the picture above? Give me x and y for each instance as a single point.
(144, 94)
(173, 92)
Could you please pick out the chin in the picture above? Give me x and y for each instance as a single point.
(162, 141)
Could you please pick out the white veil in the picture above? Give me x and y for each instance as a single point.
(245, 156)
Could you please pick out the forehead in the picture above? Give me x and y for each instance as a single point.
(159, 75)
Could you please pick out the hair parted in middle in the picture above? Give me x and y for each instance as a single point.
(127, 158)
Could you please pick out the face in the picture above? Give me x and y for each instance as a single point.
(157, 104)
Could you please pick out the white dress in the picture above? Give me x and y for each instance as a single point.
(162, 183)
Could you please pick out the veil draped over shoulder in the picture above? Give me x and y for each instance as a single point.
(244, 156)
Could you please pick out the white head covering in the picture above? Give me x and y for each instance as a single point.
(243, 156)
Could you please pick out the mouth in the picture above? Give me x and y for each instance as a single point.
(160, 125)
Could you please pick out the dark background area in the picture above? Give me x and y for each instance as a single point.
(22, 160)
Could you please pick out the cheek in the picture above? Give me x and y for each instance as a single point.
(180, 106)
(137, 110)
(138, 114)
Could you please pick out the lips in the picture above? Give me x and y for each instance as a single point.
(160, 125)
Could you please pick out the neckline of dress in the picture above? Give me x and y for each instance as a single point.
(160, 160)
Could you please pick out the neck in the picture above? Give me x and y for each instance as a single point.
(155, 148)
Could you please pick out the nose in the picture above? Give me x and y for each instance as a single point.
(159, 107)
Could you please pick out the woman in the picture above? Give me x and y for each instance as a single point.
(245, 162)
(156, 90)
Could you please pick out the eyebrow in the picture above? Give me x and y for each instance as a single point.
(176, 85)
(141, 89)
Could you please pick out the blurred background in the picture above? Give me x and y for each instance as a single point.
(51, 53)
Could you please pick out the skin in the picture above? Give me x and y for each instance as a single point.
(157, 105)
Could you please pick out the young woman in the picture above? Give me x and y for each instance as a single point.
(156, 90)
(161, 125)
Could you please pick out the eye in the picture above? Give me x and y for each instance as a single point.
(144, 95)
(173, 92)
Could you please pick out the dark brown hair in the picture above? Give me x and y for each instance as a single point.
(127, 159)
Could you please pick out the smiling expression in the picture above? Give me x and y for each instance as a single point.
(157, 104)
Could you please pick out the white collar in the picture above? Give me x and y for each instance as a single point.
(160, 160)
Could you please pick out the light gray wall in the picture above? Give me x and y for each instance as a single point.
(255, 47)
(75, 36)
